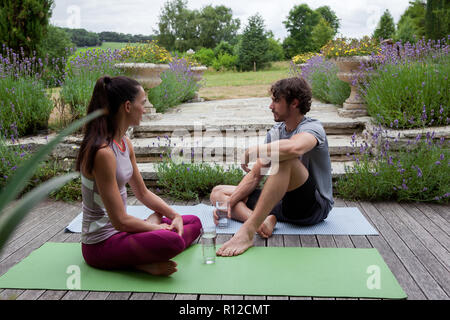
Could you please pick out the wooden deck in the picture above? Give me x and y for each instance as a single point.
(414, 241)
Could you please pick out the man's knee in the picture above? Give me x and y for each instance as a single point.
(216, 192)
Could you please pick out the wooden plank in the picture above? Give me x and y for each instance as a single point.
(425, 281)
(408, 232)
(434, 216)
(47, 219)
(441, 209)
(39, 240)
(309, 241)
(405, 280)
(433, 238)
(34, 217)
(119, 296)
(97, 295)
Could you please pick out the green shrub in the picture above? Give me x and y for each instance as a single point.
(83, 70)
(178, 85)
(223, 47)
(224, 62)
(24, 105)
(418, 172)
(415, 94)
(189, 181)
(321, 74)
(205, 56)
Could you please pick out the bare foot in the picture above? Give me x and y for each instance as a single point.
(165, 268)
(266, 228)
(154, 218)
(237, 245)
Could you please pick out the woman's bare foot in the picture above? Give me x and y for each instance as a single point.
(165, 268)
(240, 242)
(154, 218)
(266, 228)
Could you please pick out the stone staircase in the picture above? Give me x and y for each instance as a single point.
(216, 132)
(219, 131)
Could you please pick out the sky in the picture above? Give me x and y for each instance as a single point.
(357, 17)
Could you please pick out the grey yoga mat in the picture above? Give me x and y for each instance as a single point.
(340, 221)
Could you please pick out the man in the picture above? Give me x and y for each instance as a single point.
(299, 190)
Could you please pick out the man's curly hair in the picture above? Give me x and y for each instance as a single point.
(293, 88)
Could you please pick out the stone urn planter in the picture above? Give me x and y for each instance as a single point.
(348, 67)
(149, 76)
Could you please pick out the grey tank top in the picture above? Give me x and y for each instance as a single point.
(96, 225)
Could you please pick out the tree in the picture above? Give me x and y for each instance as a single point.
(437, 19)
(217, 24)
(386, 27)
(84, 38)
(253, 47)
(299, 24)
(173, 18)
(24, 23)
(406, 31)
(330, 17)
(56, 42)
(413, 17)
(181, 29)
(321, 34)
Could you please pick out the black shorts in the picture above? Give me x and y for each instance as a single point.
(303, 206)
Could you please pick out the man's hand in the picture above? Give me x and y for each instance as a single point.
(245, 161)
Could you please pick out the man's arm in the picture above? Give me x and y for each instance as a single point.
(284, 149)
(247, 184)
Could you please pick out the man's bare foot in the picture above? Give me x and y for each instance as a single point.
(165, 268)
(237, 245)
(266, 228)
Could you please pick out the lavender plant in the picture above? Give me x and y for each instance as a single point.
(83, 70)
(408, 83)
(321, 74)
(418, 170)
(178, 85)
(25, 105)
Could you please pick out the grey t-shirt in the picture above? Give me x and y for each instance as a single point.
(317, 160)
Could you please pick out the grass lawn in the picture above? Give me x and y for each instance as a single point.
(105, 46)
(232, 85)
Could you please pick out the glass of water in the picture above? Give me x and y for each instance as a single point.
(222, 213)
(208, 241)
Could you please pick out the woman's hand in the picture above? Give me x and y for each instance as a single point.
(177, 224)
(160, 226)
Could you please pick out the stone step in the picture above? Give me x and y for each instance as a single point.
(161, 128)
(240, 114)
(220, 148)
(148, 170)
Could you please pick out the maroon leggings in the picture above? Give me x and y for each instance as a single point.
(125, 250)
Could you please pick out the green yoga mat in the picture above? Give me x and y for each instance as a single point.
(293, 271)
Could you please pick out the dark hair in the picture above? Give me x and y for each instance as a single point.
(294, 88)
(109, 94)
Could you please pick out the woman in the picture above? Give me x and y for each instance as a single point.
(111, 238)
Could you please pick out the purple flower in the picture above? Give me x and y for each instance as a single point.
(419, 172)
(441, 157)
(437, 163)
